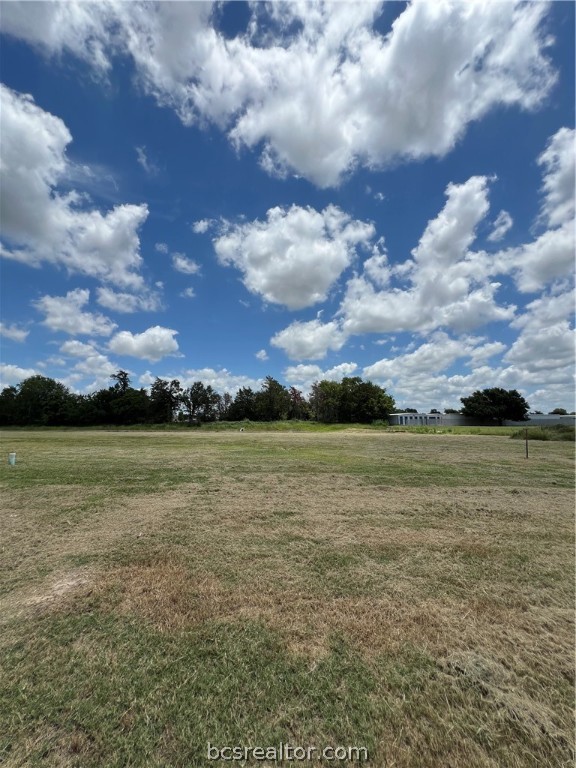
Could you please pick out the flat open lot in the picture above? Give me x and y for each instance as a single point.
(410, 594)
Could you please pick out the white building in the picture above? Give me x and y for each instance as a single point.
(419, 419)
(457, 420)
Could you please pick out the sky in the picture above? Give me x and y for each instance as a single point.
(225, 192)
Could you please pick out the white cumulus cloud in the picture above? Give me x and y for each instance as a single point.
(153, 344)
(501, 226)
(542, 261)
(222, 380)
(341, 94)
(559, 184)
(202, 226)
(10, 375)
(448, 283)
(147, 301)
(310, 340)
(182, 264)
(13, 332)
(550, 256)
(296, 255)
(432, 356)
(303, 376)
(546, 341)
(420, 378)
(90, 364)
(65, 313)
(40, 224)
(75, 348)
(333, 94)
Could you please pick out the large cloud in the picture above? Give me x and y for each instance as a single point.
(421, 378)
(559, 162)
(153, 344)
(323, 98)
(65, 313)
(448, 283)
(540, 262)
(547, 340)
(89, 363)
(309, 341)
(10, 375)
(433, 356)
(296, 255)
(550, 256)
(40, 224)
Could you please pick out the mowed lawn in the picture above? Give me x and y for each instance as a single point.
(408, 594)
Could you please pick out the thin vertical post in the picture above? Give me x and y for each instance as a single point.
(526, 432)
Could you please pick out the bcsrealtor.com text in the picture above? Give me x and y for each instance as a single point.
(283, 751)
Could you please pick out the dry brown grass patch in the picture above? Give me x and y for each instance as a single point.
(499, 684)
(171, 597)
(60, 749)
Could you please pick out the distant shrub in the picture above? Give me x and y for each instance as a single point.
(553, 432)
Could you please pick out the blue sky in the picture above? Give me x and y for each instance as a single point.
(228, 191)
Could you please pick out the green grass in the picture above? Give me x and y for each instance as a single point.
(216, 426)
(554, 432)
(144, 463)
(408, 593)
(276, 426)
(222, 689)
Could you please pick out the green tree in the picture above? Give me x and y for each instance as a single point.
(164, 400)
(8, 403)
(212, 405)
(99, 406)
(325, 401)
(349, 401)
(200, 402)
(42, 402)
(299, 408)
(83, 411)
(130, 407)
(122, 381)
(224, 406)
(559, 412)
(372, 403)
(244, 405)
(272, 401)
(495, 404)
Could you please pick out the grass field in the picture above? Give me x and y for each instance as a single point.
(411, 594)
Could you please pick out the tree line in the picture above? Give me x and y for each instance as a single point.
(41, 401)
